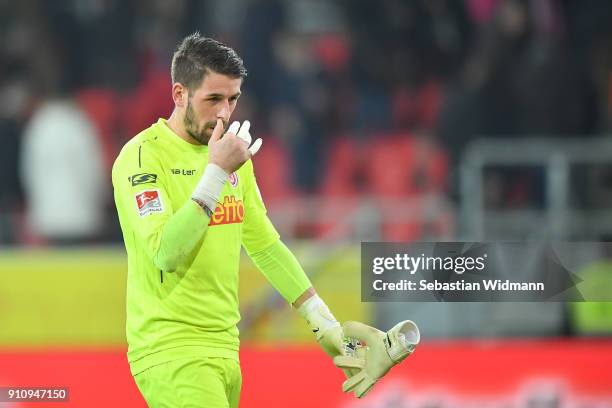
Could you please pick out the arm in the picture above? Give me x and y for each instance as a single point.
(308, 293)
(282, 270)
(170, 237)
(186, 228)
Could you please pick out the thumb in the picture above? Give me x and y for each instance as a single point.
(217, 131)
(362, 332)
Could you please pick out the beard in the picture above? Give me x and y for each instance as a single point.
(201, 134)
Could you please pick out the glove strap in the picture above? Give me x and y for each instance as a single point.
(318, 316)
(401, 340)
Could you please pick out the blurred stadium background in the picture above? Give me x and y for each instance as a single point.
(396, 120)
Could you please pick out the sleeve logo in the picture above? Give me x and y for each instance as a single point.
(142, 178)
(149, 202)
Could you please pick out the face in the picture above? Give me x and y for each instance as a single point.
(216, 98)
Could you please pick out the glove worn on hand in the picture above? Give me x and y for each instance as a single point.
(382, 351)
(326, 329)
(324, 325)
(242, 131)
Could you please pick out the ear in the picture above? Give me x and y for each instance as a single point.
(179, 95)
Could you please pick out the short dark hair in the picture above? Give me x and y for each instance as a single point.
(197, 55)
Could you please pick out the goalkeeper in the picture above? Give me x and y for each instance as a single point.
(187, 199)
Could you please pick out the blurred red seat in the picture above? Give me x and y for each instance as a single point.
(101, 106)
(150, 101)
(273, 169)
(343, 175)
(400, 165)
(401, 169)
(340, 191)
(332, 50)
(418, 107)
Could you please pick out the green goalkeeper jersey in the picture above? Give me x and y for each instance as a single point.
(194, 309)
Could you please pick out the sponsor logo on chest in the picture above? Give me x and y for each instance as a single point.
(231, 211)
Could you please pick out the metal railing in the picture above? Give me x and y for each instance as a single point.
(556, 157)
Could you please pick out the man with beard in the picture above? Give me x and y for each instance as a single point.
(187, 200)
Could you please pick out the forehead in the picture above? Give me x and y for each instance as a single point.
(215, 83)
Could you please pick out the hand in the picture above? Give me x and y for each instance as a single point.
(382, 352)
(324, 325)
(244, 134)
(231, 151)
(331, 341)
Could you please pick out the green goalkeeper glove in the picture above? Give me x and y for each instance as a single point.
(382, 351)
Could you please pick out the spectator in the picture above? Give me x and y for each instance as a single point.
(62, 174)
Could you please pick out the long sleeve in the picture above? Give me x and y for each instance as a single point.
(170, 235)
(282, 270)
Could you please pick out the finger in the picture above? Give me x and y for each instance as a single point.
(234, 127)
(348, 373)
(362, 332)
(364, 388)
(217, 131)
(351, 383)
(255, 147)
(243, 133)
(348, 362)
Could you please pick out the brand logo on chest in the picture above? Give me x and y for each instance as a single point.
(183, 172)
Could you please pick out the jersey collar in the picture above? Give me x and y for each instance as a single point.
(169, 134)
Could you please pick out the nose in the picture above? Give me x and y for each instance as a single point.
(224, 111)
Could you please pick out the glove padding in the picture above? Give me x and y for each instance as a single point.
(382, 351)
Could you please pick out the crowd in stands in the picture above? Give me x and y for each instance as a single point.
(351, 97)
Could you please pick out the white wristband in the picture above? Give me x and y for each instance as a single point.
(210, 185)
(317, 314)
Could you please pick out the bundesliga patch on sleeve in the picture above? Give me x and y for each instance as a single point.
(149, 201)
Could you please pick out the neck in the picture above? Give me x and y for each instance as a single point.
(175, 123)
